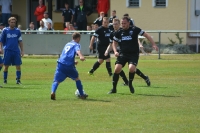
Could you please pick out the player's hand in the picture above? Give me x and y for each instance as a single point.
(1, 51)
(76, 62)
(22, 53)
(91, 47)
(116, 54)
(155, 47)
(106, 53)
(82, 58)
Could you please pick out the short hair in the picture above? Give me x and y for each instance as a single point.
(116, 20)
(76, 35)
(32, 23)
(105, 18)
(125, 18)
(12, 18)
(114, 11)
(126, 14)
(66, 3)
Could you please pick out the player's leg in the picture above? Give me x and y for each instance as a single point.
(118, 68)
(7, 62)
(59, 76)
(131, 77)
(123, 76)
(16, 60)
(108, 67)
(146, 78)
(18, 74)
(95, 66)
(1, 65)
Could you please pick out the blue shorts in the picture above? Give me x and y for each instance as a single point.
(63, 71)
(12, 58)
(1, 60)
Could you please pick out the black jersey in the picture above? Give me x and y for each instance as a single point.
(111, 19)
(98, 21)
(103, 35)
(128, 39)
(67, 14)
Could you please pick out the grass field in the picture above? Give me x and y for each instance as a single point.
(170, 105)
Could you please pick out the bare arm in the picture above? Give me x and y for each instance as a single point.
(151, 40)
(82, 58)
(114, 46)
(1, 46)
(21, 48)
(109, 48)
(92, 42)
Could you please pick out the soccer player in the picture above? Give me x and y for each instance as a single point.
(129, 51)
(11, 41)
(103, 35)
(66, 66)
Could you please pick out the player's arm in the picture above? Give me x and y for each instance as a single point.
(151, 40)
(92, 42)
(82, 58)
(21, 48)
(109, 48)
(1, 47)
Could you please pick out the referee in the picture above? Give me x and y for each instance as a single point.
(103, 35)
(129, 51)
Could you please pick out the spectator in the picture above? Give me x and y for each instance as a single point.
(71, 28)
(89, 29)
(1, 26)
(66, 27)
(99, 19)
(103, 6)
(113, 15)
(31, 28)
(39, 12)
(47, 20)
(42, 28)
(67, 14)
(131, 21)
(19, 27)
(6, 9)
(49, 28)
(80, 16)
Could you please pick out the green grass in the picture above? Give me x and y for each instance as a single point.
(170, 104)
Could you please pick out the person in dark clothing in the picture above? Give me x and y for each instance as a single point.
(103, 35)
(67, 14)
(112, 16)
(131, 21)
(99, 19)
(80, 16)
(129, 51)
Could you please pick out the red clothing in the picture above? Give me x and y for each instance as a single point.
(103, 6)
(39, 12)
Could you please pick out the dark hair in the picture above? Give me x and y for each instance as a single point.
(126, 14)
(114, 11)
(76, 35)
(125, 18)
(66, 3)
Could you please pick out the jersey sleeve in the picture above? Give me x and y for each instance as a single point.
(139, 31)
(77, 47)
(117, 37)
(20, 37)
(3, 35)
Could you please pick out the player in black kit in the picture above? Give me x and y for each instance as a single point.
(129, 51)
(103, 35)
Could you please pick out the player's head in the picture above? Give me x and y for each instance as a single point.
(12, 22)
(105, 22)
(76, 37)
(125, 23)
(116, 23)
(114, 13)
(66, 5)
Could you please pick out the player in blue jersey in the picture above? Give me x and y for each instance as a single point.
(11, 41)
(66, 66)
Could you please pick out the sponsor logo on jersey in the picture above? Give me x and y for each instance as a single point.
(107, 34)
(126, 38)
(130, 33)
(11, 35)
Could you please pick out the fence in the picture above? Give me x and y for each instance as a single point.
(52, 42)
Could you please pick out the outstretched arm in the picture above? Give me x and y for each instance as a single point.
(151, 40)
(82, 58)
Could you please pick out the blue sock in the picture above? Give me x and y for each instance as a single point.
(5, 74)
(79, 87)
(18, 74)
(54, 87)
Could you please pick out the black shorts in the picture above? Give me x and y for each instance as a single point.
(101, 52)
(130, 58)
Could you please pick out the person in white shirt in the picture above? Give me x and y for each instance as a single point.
(42, 28)
(47, 20)
(6, 9)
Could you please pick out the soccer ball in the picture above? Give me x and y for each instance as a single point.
(77, 93)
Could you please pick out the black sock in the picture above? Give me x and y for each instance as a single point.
(122, 74)
(139, 73)
(95, 66)
(109, 69)
(131, 77)
(115, 80)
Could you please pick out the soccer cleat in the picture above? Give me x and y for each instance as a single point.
(112, 91)
(91, 74)
(18, 81)
(53, 96)
(84, 96)
(131, 89)
(5, 81)
(125, 84)
(147, 80)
